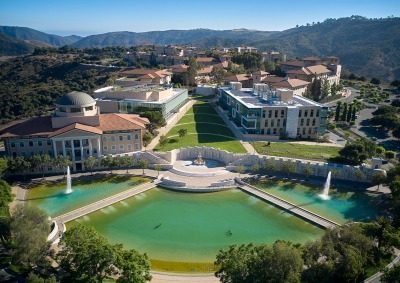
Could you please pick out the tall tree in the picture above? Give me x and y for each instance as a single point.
(90, 163)
(338, 108)
(349, 113)
(30, 227)
(325, 88)
(344, 114)
(5, 195)
(143, 164)
(88, 257)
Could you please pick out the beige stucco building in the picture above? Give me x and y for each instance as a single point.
(78, 130)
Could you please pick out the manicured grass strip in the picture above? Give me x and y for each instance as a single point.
(202, 128)
(209, 118)
(220, 142)
(297, 150)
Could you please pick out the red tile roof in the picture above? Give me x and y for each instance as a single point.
(272, 79)
(42, 126)
(141, 72)
(76, 126)
(295, 63)
(291, 83)
(120, 122)
(312, 59)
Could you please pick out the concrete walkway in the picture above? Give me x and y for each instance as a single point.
(104, 202)
(288, 206)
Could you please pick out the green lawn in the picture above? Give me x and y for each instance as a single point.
(204, 128)
(296, 150)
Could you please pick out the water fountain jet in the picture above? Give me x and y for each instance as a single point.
(69, 188)
(325, 193)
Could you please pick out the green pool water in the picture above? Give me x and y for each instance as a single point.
(52, 197)
(343, 206)
(192, 227)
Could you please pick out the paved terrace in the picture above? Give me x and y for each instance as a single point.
(104, 202)
(288, 206)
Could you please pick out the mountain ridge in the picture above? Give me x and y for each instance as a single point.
(369, 47)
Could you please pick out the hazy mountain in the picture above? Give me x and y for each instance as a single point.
(24, 33)
(11, 47)
(126, 38)
(369, 47)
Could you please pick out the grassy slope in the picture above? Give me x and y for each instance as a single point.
(296, 150)
(204, 128)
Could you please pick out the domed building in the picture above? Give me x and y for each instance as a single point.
(77, 129)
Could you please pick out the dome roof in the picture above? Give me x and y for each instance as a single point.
(75, 98)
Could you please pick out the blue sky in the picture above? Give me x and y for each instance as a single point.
(85, 17)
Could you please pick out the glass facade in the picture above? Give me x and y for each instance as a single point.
(167, 107)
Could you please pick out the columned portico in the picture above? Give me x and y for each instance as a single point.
(78, 148)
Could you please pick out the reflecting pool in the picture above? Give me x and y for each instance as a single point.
(343, 206)
(53, 199)
(191, 227)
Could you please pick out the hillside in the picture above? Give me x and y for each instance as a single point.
(24, 33)
(11, 47)
(365, 46)
(126, 38)
(31, 85)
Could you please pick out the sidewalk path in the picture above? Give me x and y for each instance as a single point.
(105, 202)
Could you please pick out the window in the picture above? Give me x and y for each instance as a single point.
(75, 110)
(62, 109)
(21, 144)
(40, 152)
(50, 152)
(30, 143)
(304, 131)
(121, 138)
(137, 146)
(12, 144)
(278, 124)
(31, 153)
(301, 122)
(282, 113)
(315, 130)
(312, 113)
(266, 123)
(269, 113)
(128, 137)
(237, 107)
(284, 122)
(309, 131)
(113, 148)
(94, 150)
(40, 143)
(112, 138)
(23, 153)
(48, 142)
(233, 113)
(89, 108)
(129, 147)
(299, 113)
(272, 123)
(105, 148)
(121, 147)
(104, 139)
(274, 132)
(313, 122)
(308, 122)
(268, 131)
(136, 136)
(317, 114)
(263, 113)
(228, 100)
(306, 113)
(276, 113)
